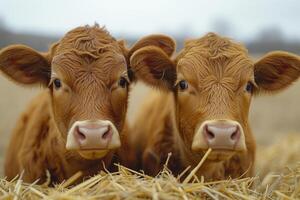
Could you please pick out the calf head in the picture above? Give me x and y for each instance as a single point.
(213, 80)
(87, 76)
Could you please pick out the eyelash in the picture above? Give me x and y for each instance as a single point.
(123, 82)
(57, 83)
(182, 85)
(249, 87)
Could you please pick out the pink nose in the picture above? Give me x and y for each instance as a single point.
(222, 135)
(93, 136)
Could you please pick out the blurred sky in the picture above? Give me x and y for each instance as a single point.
(243, 19)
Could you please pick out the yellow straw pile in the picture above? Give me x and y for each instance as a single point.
(278, 177)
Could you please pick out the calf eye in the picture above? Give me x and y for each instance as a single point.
(123, 82)
(57, 83)
(183, 85)
(249, 87)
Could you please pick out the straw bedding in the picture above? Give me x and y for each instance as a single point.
(278, 177)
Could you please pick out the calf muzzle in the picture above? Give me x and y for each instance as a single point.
(219, 135)
(93, 139)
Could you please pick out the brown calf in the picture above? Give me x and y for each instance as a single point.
(78, 120)
(208, 90)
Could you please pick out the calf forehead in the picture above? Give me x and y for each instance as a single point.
(107, 67)
(91, 40)
(89, 50)
(213, 58)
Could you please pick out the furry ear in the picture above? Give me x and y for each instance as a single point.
(166, 43)
(25, 65)
(154, 67)
(276, 71)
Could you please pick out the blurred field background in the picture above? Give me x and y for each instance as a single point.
(38, 24)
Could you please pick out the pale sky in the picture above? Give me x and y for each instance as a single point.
(138, 17)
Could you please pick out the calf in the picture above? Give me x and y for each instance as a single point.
(208, 89)
(76, 123)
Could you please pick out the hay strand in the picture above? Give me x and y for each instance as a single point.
(280, 181)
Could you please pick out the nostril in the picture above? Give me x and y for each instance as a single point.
(235, 135)
(80, 135)
(210, 135)
(107, 134)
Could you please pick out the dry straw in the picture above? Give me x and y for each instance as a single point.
(278, 177)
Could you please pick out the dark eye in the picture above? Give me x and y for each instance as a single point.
(123, 82)
(249, 87)
(183, 85)
(57, 83)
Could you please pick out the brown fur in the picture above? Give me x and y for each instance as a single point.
(217, 71)
(89, 62)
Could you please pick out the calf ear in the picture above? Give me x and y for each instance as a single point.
(154, 67)
(25, 65)
(164, 42)
(276, 71)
